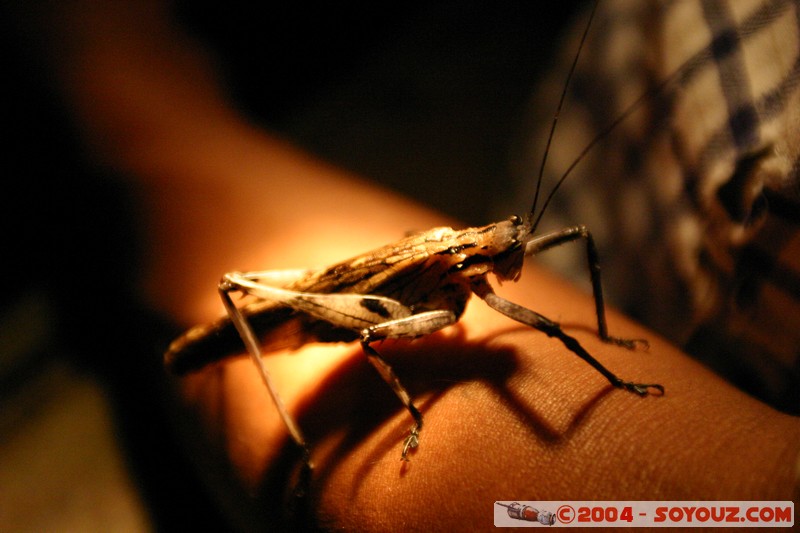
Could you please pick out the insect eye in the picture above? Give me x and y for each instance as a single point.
(516, 220)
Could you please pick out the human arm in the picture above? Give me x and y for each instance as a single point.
(503, 405)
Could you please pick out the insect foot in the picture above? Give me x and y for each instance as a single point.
(642, 389)
(630, 344)
(412, 441)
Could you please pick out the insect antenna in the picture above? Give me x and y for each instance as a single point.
(597, 138)
(553, 125)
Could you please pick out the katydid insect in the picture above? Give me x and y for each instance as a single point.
(407, 289)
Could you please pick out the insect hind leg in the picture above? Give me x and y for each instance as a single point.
(572, 233)
(226, 286)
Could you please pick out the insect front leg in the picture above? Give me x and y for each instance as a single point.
(552, 329)
(557, 238)
(408, 327)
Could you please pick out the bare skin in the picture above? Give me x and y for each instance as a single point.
(509, 413)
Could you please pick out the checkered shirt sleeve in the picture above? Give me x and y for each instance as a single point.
(694, 197)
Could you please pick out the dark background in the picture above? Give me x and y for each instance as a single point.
(427, 98)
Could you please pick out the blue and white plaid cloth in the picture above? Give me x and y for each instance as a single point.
(695, 197)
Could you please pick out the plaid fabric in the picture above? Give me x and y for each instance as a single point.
(694, 198)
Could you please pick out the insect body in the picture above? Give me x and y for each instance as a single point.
(407, 289)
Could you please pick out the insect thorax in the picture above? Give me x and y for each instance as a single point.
(456, 259)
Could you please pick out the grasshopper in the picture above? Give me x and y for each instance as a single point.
(404, 290)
